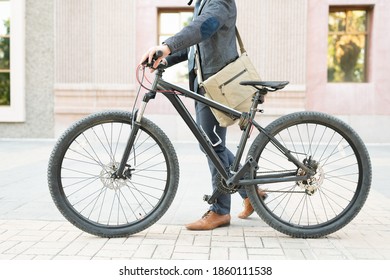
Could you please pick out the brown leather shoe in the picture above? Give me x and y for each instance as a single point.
(248, 208)
(209, 221)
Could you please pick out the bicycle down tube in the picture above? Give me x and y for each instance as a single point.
(189, 120)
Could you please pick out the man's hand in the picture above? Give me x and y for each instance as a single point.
(149, 55)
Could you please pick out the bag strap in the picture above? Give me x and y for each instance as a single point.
(197, 56)
(197, 65)
(240, 43)
(198, 68)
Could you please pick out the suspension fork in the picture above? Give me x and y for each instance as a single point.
(136, 124)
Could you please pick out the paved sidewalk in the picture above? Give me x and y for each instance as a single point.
(32, 228)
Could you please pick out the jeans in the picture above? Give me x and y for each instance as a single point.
(207, 121)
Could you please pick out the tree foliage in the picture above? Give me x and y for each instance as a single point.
(347, 46)
(5, 83)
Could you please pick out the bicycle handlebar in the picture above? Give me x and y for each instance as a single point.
(156, 56)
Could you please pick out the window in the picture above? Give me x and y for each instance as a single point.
(5, 83)
(347, 45)
(12, 61)
(172, 21)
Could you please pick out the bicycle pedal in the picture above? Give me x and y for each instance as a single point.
(208, 199)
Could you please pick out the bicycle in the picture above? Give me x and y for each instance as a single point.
(115, 173)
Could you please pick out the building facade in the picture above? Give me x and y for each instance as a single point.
(81, 56)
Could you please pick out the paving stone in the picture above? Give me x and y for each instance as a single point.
(238, 254)
(7, 245)
(145, 252)
(189, 256)
(192, 249)
(254, 242)
(265, 251)
(186, 239)
(20, 247)
(163, 252)
(23, 257)
(202, 240)
(294, 254)
(270, 242)
(73, 249)
(219, 253)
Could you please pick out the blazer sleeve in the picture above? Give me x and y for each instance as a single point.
(177, 57)
(213, 16)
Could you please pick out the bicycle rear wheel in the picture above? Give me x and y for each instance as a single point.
(333, 196)
(85, 158)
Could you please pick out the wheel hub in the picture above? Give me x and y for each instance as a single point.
(108, 178)
(312, 184)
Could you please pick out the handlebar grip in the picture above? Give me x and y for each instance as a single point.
(156, 56)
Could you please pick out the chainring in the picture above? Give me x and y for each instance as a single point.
(221, 185)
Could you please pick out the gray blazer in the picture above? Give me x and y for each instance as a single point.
(214, 32)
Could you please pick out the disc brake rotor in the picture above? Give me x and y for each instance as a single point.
(110, 181)
(312, 184)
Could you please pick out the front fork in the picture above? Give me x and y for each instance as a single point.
(136, 124)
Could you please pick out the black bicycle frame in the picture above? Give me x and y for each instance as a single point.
(170, 92)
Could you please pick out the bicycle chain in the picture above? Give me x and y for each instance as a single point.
(221, 185)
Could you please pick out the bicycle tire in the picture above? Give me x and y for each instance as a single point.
(80, 175)
(325, 204)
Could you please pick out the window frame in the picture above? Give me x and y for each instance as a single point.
(367, 34)
(162, 10)
(177, 73)
(16, 112)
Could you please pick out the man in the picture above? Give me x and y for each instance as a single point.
(213, 31)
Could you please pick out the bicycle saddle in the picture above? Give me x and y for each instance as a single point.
(272, 85)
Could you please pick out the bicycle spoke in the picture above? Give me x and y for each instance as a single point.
(336, 181)
(87, 175)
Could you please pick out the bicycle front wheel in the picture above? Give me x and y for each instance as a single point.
(331, 198)
(81, 181)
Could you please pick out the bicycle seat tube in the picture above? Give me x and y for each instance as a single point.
(246, 131)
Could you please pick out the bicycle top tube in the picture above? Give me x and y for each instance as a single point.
(163, 85)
